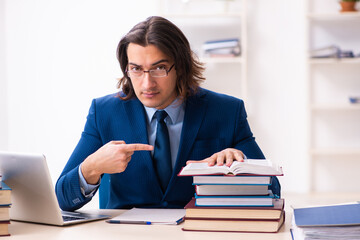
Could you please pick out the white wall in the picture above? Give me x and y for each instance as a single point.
(277, 90)
(3, 82)
(60, 55)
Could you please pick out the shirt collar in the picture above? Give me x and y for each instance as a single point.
(173, 111)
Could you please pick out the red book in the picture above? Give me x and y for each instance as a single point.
(4, 228)
(234, 225)
(273, 212)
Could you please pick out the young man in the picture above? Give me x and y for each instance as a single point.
(143, 135)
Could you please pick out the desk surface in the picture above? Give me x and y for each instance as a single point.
(100, 230)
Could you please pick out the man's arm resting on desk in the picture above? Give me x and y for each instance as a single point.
(88, 190)
(68, 191)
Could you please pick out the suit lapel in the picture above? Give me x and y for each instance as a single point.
(137, 120)
(194, 114)
(138, 128)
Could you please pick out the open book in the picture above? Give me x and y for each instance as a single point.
(248, 167)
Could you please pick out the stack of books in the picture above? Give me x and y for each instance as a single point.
(5, 203)
(222, 48)
(237, 200)
(340, 221)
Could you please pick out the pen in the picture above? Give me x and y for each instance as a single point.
(129, 222)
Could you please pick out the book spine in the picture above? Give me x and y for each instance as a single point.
(220, 44)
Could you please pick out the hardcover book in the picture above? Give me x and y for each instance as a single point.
(235, 201)
(4, 213)
(232, 190)
(5, 195)
(231, 179)
(4, 228)
(262, 167)
(272, 212)
(231, 225)
(335, 215)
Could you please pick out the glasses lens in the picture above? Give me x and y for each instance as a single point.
(135, 73)
(153, 73)
(158, 73)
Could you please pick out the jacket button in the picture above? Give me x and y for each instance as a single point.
(165, 204)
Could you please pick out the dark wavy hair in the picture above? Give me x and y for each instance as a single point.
(168, 38)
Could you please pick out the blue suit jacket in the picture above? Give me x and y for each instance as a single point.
(212, 122)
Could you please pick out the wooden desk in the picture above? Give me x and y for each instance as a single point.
(100, 230)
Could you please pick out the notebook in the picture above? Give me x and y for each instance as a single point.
(333, 215)
(33, 195)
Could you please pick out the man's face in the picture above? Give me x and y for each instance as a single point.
(154, 92)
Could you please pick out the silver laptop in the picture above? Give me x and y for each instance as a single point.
(33, 196)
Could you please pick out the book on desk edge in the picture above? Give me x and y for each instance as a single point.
(5, 195)
(4, 213)
(4, 228)
(324, 232)
(4, 187)
(234, 225)
(240, 212)
(333, 215)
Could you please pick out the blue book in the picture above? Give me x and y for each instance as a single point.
(235, 201)
(224, 43)
(335, 215)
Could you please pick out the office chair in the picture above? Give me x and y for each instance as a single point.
(104, 191)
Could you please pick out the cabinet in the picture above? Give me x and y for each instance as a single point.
(207, 20)
(334, 123)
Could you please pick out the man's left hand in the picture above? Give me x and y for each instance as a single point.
(226, 156)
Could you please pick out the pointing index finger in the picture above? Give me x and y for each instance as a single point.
(138, 147)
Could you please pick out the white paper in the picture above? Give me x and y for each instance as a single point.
(151, 215)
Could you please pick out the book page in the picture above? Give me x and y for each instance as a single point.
(249, 166)
(203, 168)
(255, 166)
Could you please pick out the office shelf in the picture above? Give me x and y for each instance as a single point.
(222, 59)
(335, 107)
(335, 151)
(333, 121)
(334, 16)
(315, 61)
(202, 15)
(210, 20)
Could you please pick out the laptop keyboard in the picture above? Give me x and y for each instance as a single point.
(71, 218)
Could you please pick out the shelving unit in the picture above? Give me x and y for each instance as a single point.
(334, 122)
(334, 16)
(207, 20)
(335, 61)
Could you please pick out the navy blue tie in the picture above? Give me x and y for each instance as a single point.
(162, 154)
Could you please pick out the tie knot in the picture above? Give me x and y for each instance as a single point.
(160, 115)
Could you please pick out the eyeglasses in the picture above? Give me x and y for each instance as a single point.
(156, 73)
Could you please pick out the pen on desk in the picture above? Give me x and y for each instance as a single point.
(129, 222)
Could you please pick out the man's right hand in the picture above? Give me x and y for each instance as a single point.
(113, 157)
